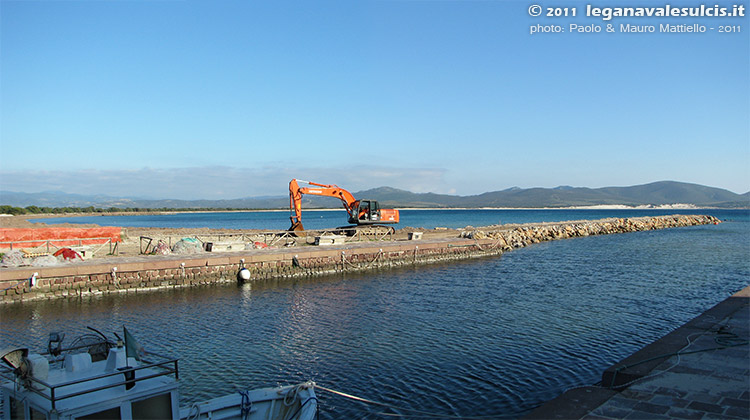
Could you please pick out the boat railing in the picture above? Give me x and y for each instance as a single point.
(164, 367)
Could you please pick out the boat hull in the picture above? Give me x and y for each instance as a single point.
(293, 402)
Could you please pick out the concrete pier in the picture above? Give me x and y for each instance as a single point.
(151, 272)
(700, 370)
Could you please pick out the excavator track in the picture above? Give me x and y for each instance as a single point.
(367, 230)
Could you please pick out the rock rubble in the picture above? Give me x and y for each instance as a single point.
(516, 237)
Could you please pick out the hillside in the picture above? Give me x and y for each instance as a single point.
(657, 193)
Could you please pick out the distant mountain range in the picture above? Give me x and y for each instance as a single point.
(654, 194)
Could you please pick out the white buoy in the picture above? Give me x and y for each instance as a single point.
(244, 274)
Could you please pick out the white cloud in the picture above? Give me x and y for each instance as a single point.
(226, 182)
(219, 182)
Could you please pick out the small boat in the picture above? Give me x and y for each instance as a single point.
(102, 379)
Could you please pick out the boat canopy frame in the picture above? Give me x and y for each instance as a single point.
(165, 366)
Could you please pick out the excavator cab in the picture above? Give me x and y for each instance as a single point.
(368, 211)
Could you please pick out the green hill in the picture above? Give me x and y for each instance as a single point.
(656, 193)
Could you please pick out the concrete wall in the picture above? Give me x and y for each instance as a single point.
(139, 274)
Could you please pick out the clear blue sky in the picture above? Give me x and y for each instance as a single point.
(228, 99)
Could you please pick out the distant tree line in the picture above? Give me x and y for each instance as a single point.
(91, 209)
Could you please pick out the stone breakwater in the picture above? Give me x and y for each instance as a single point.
(509, 238)
(148, 273)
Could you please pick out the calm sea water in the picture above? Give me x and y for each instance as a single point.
(317, 219)
(490, 337)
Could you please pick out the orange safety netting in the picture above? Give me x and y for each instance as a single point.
(61, 236)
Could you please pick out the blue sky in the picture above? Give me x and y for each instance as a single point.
(228, 99)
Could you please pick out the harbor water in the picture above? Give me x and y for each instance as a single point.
(493, 337)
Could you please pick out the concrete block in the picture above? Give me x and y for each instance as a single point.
(327, 240)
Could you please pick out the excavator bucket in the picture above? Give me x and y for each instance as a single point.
(296, 227)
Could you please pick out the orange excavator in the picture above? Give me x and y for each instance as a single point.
(361, 212)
